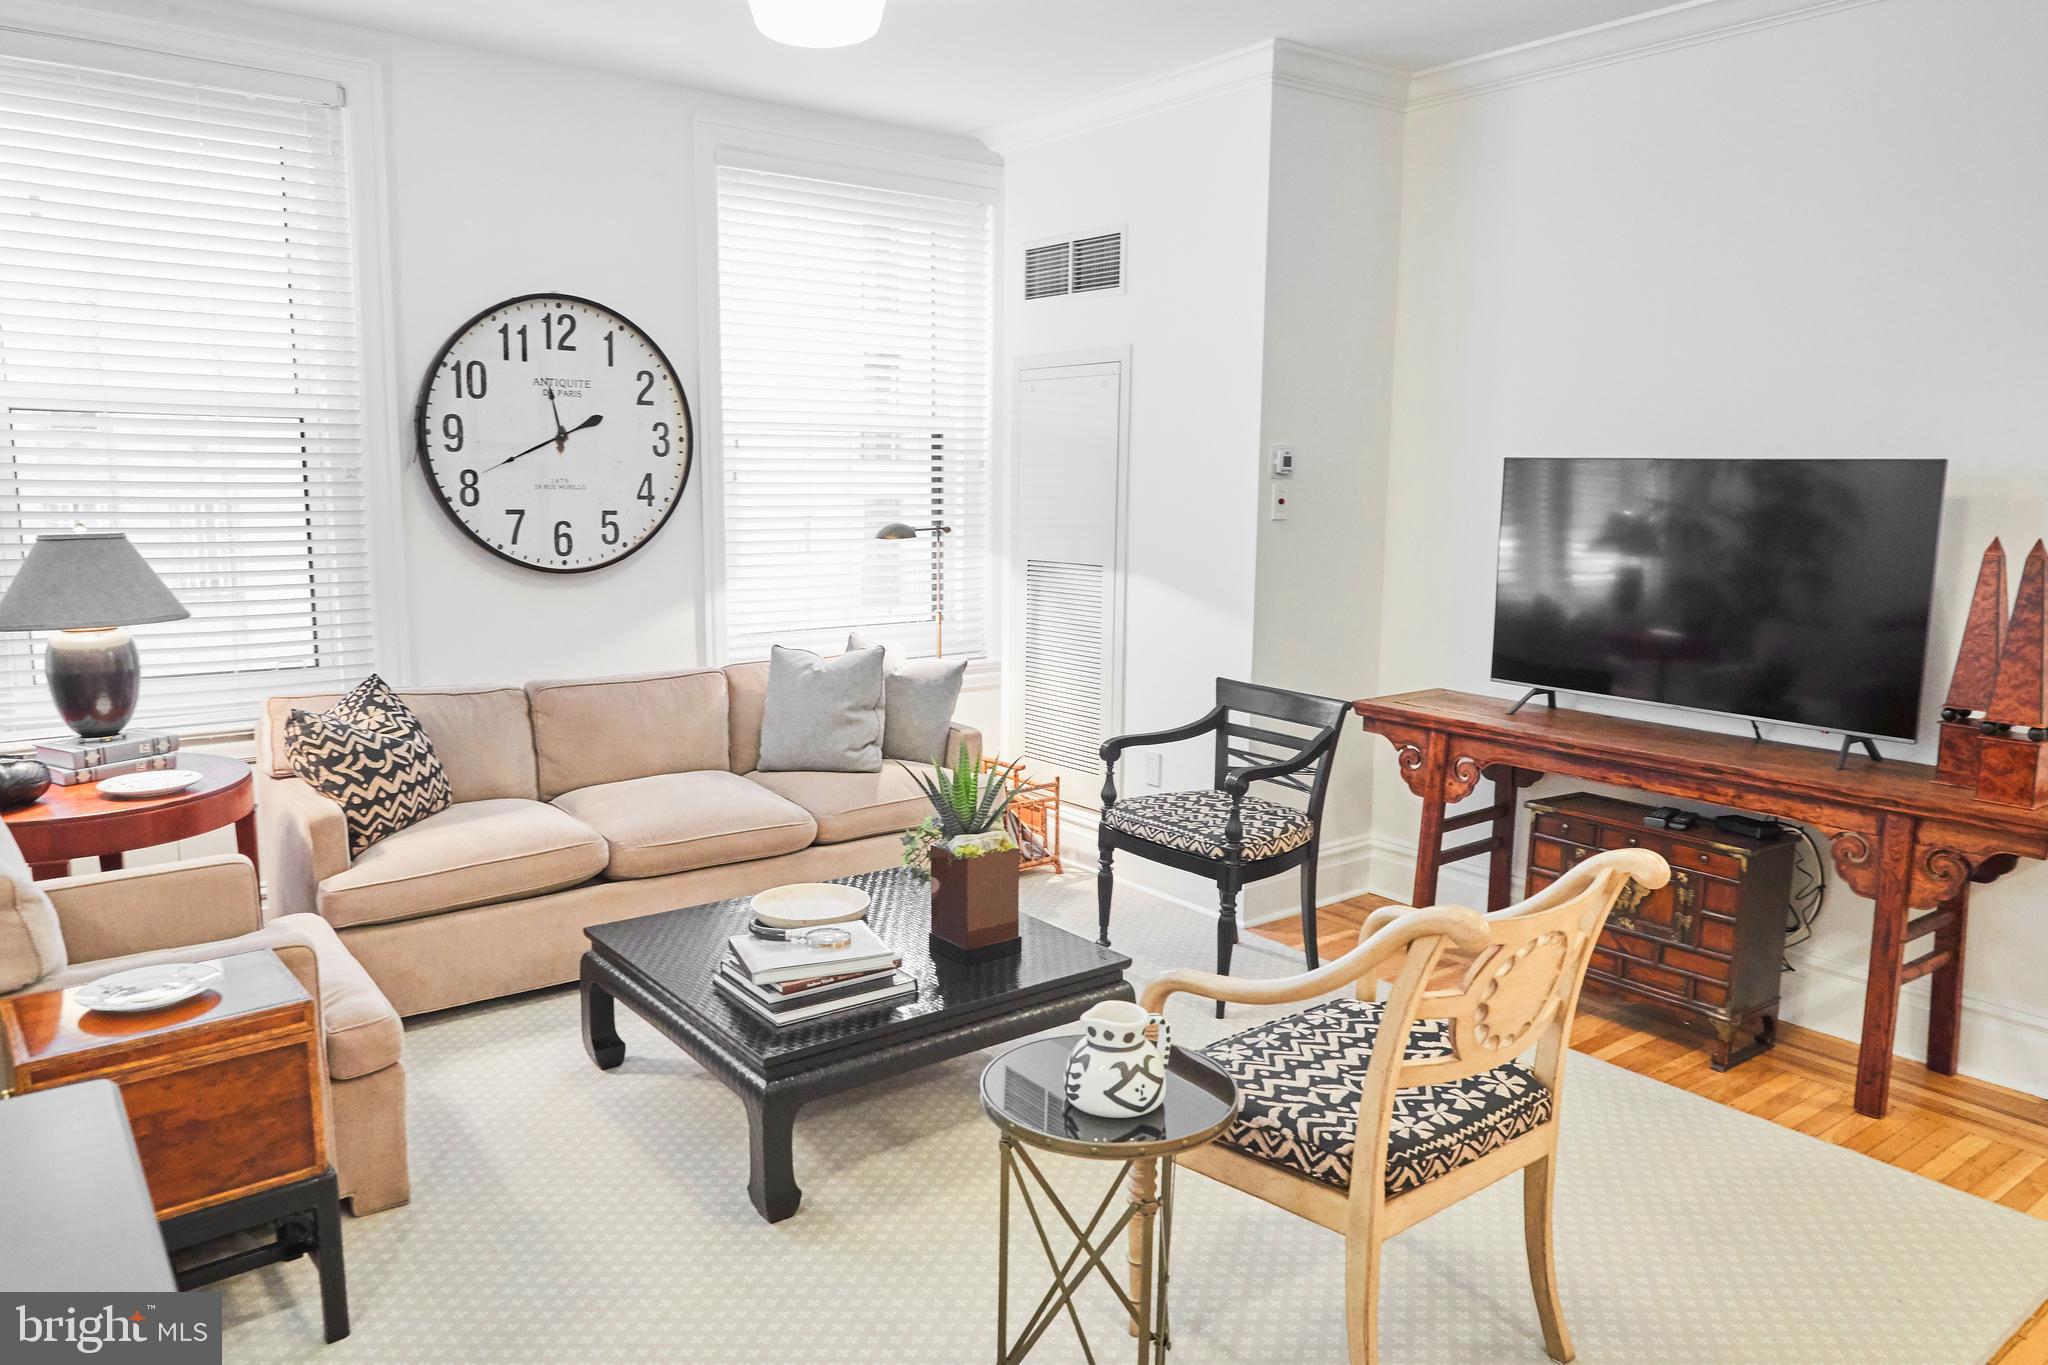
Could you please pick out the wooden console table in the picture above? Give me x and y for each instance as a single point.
(1897, 837)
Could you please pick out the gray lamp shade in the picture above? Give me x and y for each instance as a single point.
(896, 530)
(86, 580)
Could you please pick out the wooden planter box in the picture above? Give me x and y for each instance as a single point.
(974, 906)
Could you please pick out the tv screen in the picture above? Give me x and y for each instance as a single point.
(1779, 590)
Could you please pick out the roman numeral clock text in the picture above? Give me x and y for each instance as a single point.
(554, 433)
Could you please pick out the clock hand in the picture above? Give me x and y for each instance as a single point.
(589, 421)
(561, 436)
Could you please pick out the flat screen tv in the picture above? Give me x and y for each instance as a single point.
(1776, 590)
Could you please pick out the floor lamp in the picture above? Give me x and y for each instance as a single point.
(897, 530)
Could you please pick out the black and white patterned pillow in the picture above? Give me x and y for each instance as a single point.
(1193, 822)
(368, 754)
(1300, 1078)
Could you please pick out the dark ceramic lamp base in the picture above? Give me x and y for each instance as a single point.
(95, 677)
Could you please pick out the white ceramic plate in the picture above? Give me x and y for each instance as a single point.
(136, 786)
(149, 988)
(808, 903)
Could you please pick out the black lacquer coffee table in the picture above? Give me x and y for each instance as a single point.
(661, 968)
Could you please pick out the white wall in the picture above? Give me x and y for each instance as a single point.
(505, 176)
(1188, 185)
(1818, 239)
(1333, 226)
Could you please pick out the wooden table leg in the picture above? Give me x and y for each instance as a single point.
(43, 872)
(1500, 867)
(1945, 1017)
(1429, 838)
(245, 840)
(112, 862)
(1887, 945)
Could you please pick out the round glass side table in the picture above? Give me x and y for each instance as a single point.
(1024, 1091)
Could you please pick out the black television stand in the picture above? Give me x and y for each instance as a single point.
(1869, 747)
(1548, 694)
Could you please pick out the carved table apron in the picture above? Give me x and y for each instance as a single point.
(1898, 838)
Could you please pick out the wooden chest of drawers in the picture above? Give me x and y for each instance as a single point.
(1707, 947)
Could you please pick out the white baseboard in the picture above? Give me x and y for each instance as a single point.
(2000, 1043)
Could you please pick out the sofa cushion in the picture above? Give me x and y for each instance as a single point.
(823, 715)
(368, 755)
(363, 1032)
(854, 805)
(482, 734)
(473, 853)
(674, 822)
(31, 940)
(746, 698)
(615, 729)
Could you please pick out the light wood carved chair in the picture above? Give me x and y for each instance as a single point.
(1432, 1123)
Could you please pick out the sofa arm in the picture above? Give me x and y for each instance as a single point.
(304, 840)
(958, 735)
(145, 909)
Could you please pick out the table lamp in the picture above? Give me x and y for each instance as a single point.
(898, 530)
(85, 586)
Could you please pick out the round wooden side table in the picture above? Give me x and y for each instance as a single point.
(77, 822)
(1024, 1092)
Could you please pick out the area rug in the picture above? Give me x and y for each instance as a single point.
(564, 1214)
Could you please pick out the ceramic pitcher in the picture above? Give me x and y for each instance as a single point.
(1115, 1070)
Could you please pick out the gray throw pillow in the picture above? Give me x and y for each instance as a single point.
(822, 715)
(918, 697)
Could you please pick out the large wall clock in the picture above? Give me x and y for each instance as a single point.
(554, 433)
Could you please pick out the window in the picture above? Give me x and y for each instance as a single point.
(854, 341)
(178, 361)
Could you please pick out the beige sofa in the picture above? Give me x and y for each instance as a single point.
(208, 907)
(575, 803)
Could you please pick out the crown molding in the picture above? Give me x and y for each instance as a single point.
(1275, 61)
(1295, 66)
(1642, 35)
(1219, 75)
(1299, 67)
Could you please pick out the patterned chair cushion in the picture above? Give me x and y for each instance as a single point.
(1193, 823)
(1300, 1078)
(369, 755)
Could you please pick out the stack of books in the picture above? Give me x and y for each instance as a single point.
(72, 759)
(793, 983)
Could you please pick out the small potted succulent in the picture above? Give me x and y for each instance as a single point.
(970, 859)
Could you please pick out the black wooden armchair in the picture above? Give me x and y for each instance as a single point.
(1224, 833)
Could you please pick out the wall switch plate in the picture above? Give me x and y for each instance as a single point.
(1276, 504)
(1151, 766)
(1283, 462)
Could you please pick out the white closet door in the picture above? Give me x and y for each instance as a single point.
(1069, 457)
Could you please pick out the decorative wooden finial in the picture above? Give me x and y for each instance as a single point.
(2020, 697)
(1983, 637)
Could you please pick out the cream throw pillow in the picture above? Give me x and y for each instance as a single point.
(31, 942)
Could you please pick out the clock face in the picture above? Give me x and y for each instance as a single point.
(555, 433)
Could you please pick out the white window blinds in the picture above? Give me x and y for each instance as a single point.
(854, 337)
(178, 361)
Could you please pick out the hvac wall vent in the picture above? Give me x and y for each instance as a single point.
(1093, 264)
(1046, 272)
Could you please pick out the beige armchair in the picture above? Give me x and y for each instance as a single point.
(206, 907)
(1410, 1131)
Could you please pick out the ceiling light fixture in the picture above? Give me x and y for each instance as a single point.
(818, 23)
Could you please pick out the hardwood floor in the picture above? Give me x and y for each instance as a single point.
(1971, 1135)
